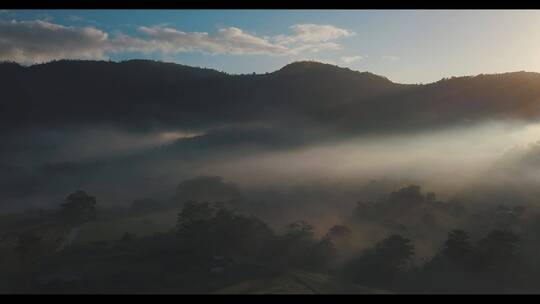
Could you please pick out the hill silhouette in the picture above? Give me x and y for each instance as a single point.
(75, 122)
(145, 95)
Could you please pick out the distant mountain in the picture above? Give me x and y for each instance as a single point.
(69, 123)
(145, 95)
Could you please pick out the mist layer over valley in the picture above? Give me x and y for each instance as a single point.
(304, 150)
(80, 124)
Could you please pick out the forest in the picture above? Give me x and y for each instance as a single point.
(406, 241)
(141, 176)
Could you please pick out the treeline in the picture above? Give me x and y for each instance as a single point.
(214, 244)
(492, 264)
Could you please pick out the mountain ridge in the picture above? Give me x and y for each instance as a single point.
(296, 65)
(306, 95)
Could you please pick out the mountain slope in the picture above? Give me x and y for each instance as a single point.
(144, 95)
(70, 123)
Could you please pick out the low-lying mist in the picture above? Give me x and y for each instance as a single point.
(355, 191)
(122, 166)
(446, 161)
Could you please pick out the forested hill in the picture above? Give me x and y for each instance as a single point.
(144, 95)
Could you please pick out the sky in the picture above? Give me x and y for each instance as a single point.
(406, 46)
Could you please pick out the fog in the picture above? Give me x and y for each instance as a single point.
(445, 160)
(122, 165)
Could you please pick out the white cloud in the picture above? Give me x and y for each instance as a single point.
(313, 33)
(351, 59)
(312, 38)
(38, 41)
(230, 40)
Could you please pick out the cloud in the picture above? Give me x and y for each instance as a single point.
(230, 40)
(351, 59)
(40, 41)
(313, 33)
(312, 38)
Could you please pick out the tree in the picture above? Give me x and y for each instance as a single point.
(499, 261)
(295, 249)
(211, 230)
(78, 207)
(193, 225)
(194, 213)
(454, 268)
(240, 234)
(498, 250)
(458, 249)
(396, 250)
(299, 230)
(325, 254)
(408, 196)
(321, 255)
(338, 232)
(337, 239)
(381, 264)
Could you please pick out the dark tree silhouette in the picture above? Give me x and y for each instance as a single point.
(79, 207)
(338, 238)
(321, 255)
(210, 230)
(295, 248)
(498, 250)
(338, 232)
(194, 213)
(396, 250)
(459, 249)
(380, 265)
(299, 230)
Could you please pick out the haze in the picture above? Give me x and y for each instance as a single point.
(226, 152)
